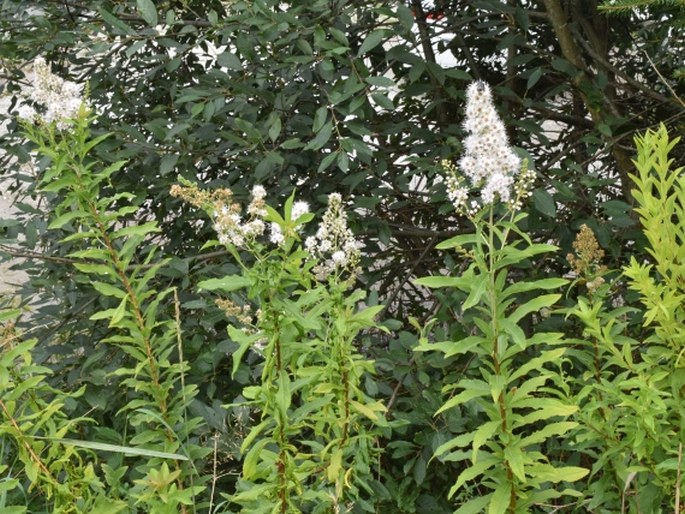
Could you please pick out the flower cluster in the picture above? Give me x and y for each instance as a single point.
(586, 262)
(488, 163)
(229, 224)
(333, 245)
(59, 100)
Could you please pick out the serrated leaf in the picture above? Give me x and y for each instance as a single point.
(137, 230)
(547, 473)
(475, 389)
(335, 465)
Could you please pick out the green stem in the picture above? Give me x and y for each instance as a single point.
(494, 317)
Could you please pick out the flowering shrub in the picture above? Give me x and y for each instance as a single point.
(311, 443)
(535, 405)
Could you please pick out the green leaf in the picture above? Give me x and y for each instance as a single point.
(552, 429)
(380, 81)
(335, 465)
(536, 363)
(547, 473)
(65, 218)
(514, 457)
(119, 313)
(10, 314)
(472, 472)
(321, 138)
(499, 503)
(478, 287)
(226, 284)
(275, 129)
(106, 289)
(474, 505)
(115, 22)
(245, 341)
(95, 269)
(452, 348)
(534, 77)
(533, 305)
(229, 60)
(483, 434)
(532, 285)
(371, 41)
(457, 241)
(148, 11)
(436, 282)
(106, 447)
(383, 101)
(252, 459)
(473, 389)
(137, 230)
(544, 203)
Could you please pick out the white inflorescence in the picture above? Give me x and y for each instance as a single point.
(300, 208)
(60, 100)
(334, 244)
(230, 227)
(488, 164)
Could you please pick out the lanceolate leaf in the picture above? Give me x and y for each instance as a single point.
(106, 447)
(226, 284)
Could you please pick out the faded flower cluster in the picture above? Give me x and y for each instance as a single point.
(58, 100)
(333, 245)
(488, 164)
(229, 223)
(231, 226)
(586, 262)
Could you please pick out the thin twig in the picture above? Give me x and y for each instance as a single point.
(663, 79)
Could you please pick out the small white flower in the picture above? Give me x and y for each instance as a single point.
(299, 208)
(310, 243)
(258, 192)
(276, 236)
(339, 258)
